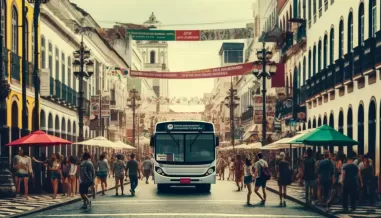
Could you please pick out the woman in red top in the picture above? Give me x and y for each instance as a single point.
(239, 171)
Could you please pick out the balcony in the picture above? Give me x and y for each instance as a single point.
(75, 100)
(58, 86)
(5, 63)
(368, 61)
(348, 66)
(377, 52)
(247, 115)
(301, 35)
(339, 72)
(51, 86)
(15, 66)
(357, 59)
(64, 93)
(70, 92)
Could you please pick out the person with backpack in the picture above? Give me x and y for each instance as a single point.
(87, 175)
(262, 174)
(284, 173)
(221, 167)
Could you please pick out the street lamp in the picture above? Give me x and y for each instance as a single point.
(133, 102)
(83, 67)
(268, 70)
(231, 101)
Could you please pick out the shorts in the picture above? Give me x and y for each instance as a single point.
(55, 175)
(247, 179)
(309, 183)
(119, 176)
(84, 188)
(102, 174)
(146, 173)
(260, 182)
(22, 175)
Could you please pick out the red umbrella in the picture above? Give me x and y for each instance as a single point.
(39, 138)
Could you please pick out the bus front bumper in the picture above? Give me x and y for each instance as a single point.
(209, 179)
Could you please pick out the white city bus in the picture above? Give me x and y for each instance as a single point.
(185, 154)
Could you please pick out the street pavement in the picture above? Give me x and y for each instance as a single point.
(222, 201)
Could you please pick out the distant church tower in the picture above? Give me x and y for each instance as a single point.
(155, 57)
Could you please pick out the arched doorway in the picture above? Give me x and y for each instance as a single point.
(309, 124)
(42, 121)
(50, 132)
(341, 126)
(350, 129)
(319, 121)
(372, 130)
(33, 119)
(331, 124)
(69, 138)
(57, 132)
(360, 129)
(15, 131)
(63, 135)
(314, 123)
(325, 121)
(304, 126)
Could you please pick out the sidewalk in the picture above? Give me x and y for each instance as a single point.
(19, 206)
(297, 194)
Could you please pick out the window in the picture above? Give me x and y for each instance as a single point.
(372, 18)
(57, 58)
(233, 56)
(320, 7)
(4, 21)
(319, 56)
(314, 61)
(50, 59)
(309, 13)
(152, 57)
(309, 64)
(287, 22)
(69, 71)
(332, 46)
(26, 40)
(314, 6)
(325, 50)
(304, 10)
(325, 5)
(169, 149)
(63, 69)
(341, 39)
(304, 70)
(15, 32)
(43, 52)
(361, 29)
(350, 32)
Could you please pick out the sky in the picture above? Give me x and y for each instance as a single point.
(179, 15)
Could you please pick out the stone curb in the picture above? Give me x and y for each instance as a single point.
(313, 208)
(49, 207)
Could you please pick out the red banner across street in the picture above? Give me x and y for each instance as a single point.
(234, 70)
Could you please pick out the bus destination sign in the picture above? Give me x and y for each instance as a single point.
(184, 126)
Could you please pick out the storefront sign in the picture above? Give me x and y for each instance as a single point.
(152, 35)
(188, 35)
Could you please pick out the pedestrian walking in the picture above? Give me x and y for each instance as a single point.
(23, 167)
(239, 171)
(133, 173)
(231, 168)
(326, 171)
(147, 167)
(55, 173)
(119, 168)
(309, 176)
(65, 168)
(248, 179)
(153, 167)
(87, 175)
(262, 174)
(73, 176)
(221, 164)
(102, 170)
(351, 174)
(284, 177)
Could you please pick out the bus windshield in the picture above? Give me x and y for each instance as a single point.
(194, 148)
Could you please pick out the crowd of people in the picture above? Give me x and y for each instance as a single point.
(328, 178)
(72, 175)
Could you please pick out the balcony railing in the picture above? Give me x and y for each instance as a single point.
(377, 52)
(339, 72)
(75, 100)
(348, 66)
(15, 66)
(58, 87)
(368, 60)
(52, 86)
(301, 34)
(357, 58)
(247, 115)
(5, 63)
(64, 93)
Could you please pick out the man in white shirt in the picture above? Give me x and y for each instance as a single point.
(260, 181)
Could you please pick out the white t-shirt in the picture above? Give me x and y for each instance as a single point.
(259, 164)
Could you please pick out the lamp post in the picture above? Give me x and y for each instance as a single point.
(268, 70)
(82, 60)
(133, 102)
(231, 101)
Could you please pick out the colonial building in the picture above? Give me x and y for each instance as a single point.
(60, 22)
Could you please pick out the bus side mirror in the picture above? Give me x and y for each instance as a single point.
(217, 141)
(152, 141)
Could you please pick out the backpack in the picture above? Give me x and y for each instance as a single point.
(265, 172)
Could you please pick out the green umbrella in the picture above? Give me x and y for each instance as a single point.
(300, 140)
(326, 135)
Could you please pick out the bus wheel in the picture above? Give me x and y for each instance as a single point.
(204, 187)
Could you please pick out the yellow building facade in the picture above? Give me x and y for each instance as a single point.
(12, 30)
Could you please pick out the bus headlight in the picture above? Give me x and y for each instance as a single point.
(159, 171)
(210, 171)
